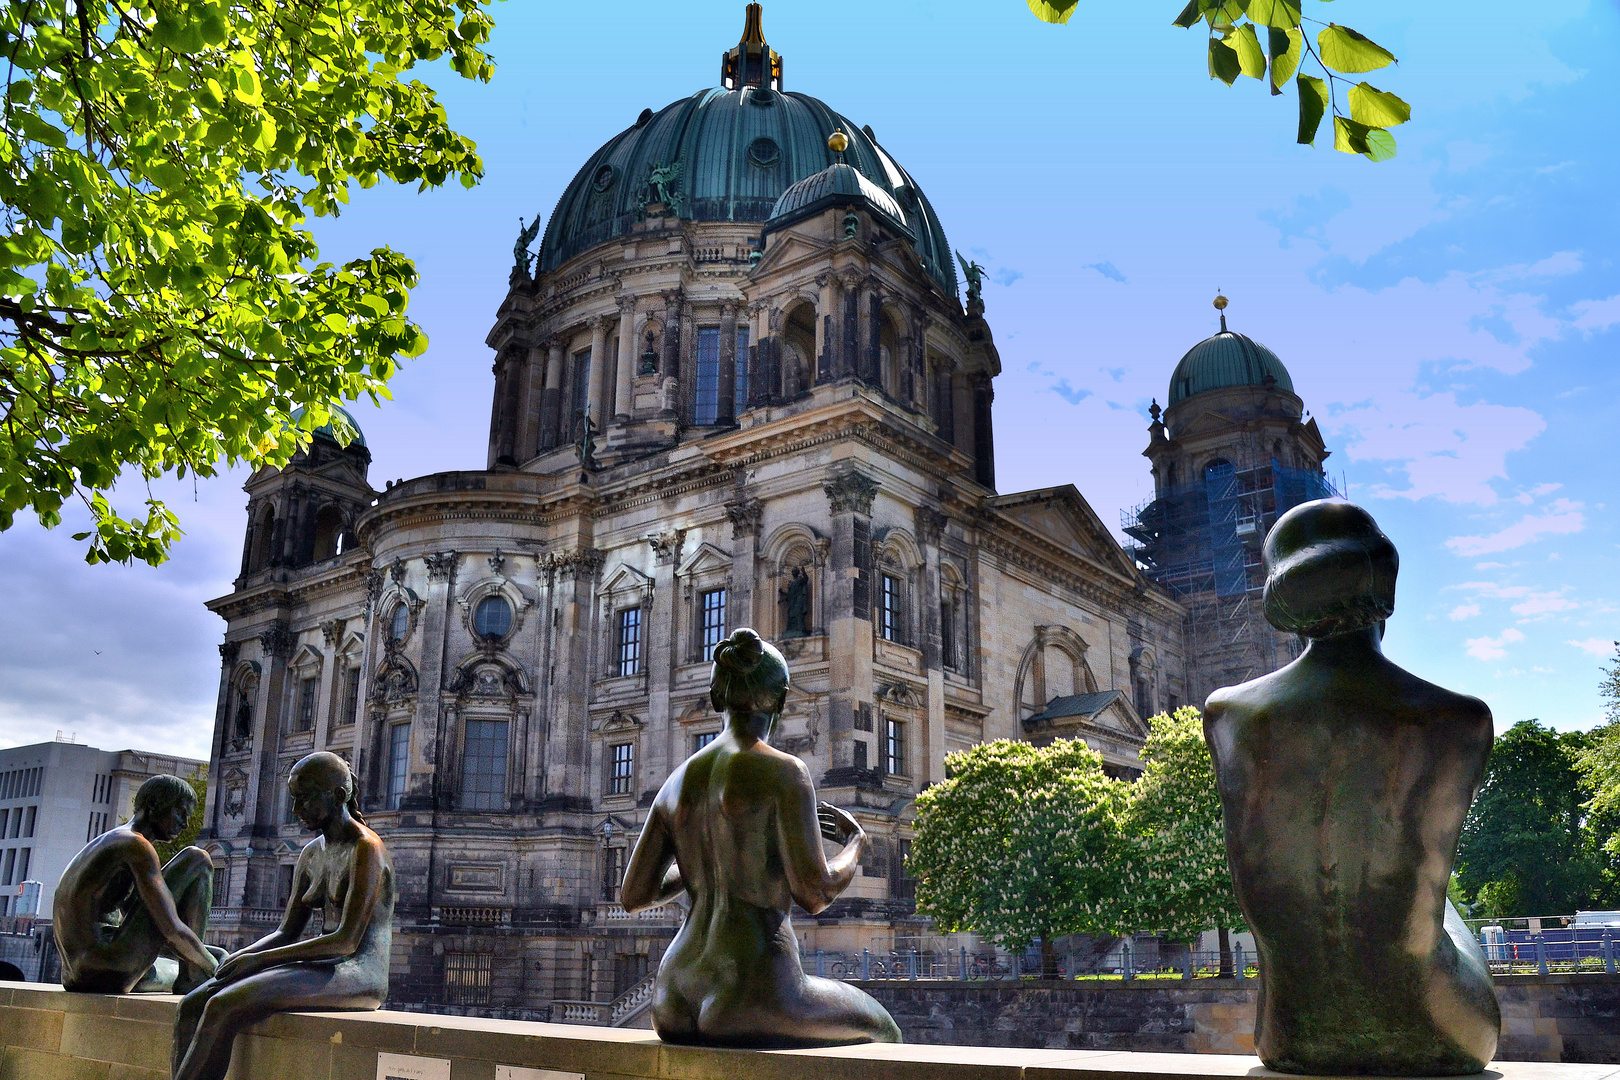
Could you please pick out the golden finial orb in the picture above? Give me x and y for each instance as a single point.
(838, 142)
(1220, 302)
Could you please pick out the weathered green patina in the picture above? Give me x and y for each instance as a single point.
(1226, 359)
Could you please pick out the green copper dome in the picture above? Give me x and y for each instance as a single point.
(1226, 359)
(325, 430)
(734, 153)
(837, 185)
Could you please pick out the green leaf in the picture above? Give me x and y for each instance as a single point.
(1313, 105)
(1189, 14)
(1374, 143)
(1343, 49)
(1377, 108)
(1223, 62)
(1285, 47)
(1251, 58)
(1053, 11)
(1277, 14)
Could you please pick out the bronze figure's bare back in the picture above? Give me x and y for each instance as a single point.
(738, 828)
(1345, 782)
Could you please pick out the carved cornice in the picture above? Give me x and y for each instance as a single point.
(851, 490)
(747, 516)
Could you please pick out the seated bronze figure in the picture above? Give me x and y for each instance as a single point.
(344, 874)
(121, 920)
(738, 828)
(1345, 781)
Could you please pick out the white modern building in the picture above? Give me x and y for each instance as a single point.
(54, 798)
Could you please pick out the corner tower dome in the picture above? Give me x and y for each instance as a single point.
(728, 154)
(1226, 359)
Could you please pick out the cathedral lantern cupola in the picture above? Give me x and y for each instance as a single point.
(752, 62)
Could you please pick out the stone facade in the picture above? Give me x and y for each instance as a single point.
(696, 425)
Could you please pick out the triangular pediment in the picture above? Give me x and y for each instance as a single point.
(1206, 422)
(625, 578)
(1063, 517)
(786, 250)
(705, 558)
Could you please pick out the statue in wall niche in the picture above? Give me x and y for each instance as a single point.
(1344, 782)
(345, 875)
(737, 827)
(796, 604)
(123, 922)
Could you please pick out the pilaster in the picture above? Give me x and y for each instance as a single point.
(746, 516)
(662, 643)
(848, 608)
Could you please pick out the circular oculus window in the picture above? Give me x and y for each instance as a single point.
(492, 618)
(604, 178)
(764, 152)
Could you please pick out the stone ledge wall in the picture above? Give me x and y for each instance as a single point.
(1544, 1018)
(49, 1034)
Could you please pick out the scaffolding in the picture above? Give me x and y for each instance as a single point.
(1202, 541)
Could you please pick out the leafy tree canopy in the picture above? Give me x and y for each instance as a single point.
(1527, 847)
(162, 309)
(1021, 842)
(1269, 40)
(1600, 762)
(1175, 875)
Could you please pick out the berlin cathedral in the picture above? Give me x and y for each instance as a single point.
(737, 386)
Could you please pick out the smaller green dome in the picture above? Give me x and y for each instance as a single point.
(325, 430)
(1226, 359)
(837, 185)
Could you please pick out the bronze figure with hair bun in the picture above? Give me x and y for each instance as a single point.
(344, 874)
(1344, 782)
(738, 828)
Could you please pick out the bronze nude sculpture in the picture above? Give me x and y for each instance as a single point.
(121, 920)
(1344, 782)
(738, 828)
(343, 873)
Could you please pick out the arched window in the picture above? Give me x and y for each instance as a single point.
(263, 537)
(799, 351)
(328, 532)
(891, 357)
(492, 618)
(399, 623)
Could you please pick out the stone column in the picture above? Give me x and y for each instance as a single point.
(276, 643)
(427, 735)
(848, 610)
(534, 388)
(984, 446)
(849, 354)
(228, 652)
(329, 703)
(551, 402)
(746, 516)
(727, 411)
(662, 643)
(826, 306)
(624, 393)
(930, 525)
(872, 334)
(669, 364)
(508, 392)
(597, 376)
(569, 782)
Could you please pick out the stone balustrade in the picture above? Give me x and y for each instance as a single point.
(49, 1034)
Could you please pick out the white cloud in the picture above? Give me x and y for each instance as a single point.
(1488, 648)
(1528, 497)
(1595, 645)
(1463, 611)
(1593, 316)
(1562, 517)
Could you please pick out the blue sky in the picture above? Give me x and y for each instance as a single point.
(1450, 317)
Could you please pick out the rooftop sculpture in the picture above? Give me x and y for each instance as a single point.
(117, 911)
(1344, 782)
(737, 827)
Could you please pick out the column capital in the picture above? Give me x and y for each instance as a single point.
(851, 490)
(728, 309)
(229, 651)
(666, 546)
(747, 516)
(930, 524)
(332, 631)
(627, 305)
(278, 640)
(441, 565)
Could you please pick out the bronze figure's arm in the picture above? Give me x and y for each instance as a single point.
(142, 862)
(653, 876)
(801, 824)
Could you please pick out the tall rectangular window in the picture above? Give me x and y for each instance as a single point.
(894, 747)
(947, 634)
(284, 883)
(860, 755)
(703, 739)
(467, 978)
(307, 689)
(707, 409)
(612, 872)
(582, 392)
(623, 772)
(713, 624)
(16, 823)
(11, 865)
(5, 816)
(222, 881)
(483, 766)
(744, 332)
(889, 611)
(28, 820)
(399, 747)
(22, 863)
(351, 695)
(630, 641)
